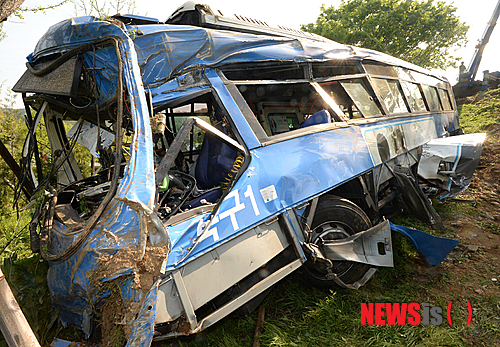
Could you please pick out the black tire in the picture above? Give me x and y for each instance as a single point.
(335, 218)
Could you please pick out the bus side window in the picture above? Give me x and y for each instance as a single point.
(391, 95)
(432, 97)
(342, 99)
(445, 99)
(414, 96)
(282, 107)
(362, 97)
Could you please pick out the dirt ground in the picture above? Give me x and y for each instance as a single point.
(472, 269)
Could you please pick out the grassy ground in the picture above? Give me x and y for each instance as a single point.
(297, 315)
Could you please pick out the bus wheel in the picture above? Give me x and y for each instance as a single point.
(335, 218)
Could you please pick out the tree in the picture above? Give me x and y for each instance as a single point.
(7, 7)
(422, 32)
(98, 8)
(12, 7)
(103, 9)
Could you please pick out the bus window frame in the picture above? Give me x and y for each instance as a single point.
(264, 139)
(419, 87)
(401, 92)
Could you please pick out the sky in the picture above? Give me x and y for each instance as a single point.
(23, 34)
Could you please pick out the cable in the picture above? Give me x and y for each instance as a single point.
(75, 245)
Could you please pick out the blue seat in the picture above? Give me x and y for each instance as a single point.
(215, 160)
(320, 117)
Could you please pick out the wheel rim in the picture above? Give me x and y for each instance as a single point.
(331, 230)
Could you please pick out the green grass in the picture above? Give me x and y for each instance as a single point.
(27, 278)
(481, 115)
(302, 316)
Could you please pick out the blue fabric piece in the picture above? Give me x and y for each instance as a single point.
(319, 117)
(215, 160)
(432, 249)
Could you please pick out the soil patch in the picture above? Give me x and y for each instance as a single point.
(117, 313)
(472, 268)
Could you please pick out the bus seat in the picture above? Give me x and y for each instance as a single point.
(215, 160)
(320, 117)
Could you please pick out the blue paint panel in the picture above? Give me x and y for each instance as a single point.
(69, 280)
(298, 169)
(106, 71)
(431, 248)
(63, 343)
(144, 325)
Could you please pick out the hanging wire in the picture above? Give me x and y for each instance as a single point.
(54, 168)
(90, 224)
(26, 160)
(17, 231)
(97, 97)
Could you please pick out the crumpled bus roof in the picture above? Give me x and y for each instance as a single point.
(165, 51)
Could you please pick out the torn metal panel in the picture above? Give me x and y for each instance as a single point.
(413, 198)
(372, 246)
(451, 162)
(123, 226)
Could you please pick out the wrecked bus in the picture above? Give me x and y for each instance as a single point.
(226, 155)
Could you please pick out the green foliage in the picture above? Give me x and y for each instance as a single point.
(21, 10)
(100, 9)
(13, 132)
(481, 115)
(27, 277)
(422, 32)
(103, 9)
